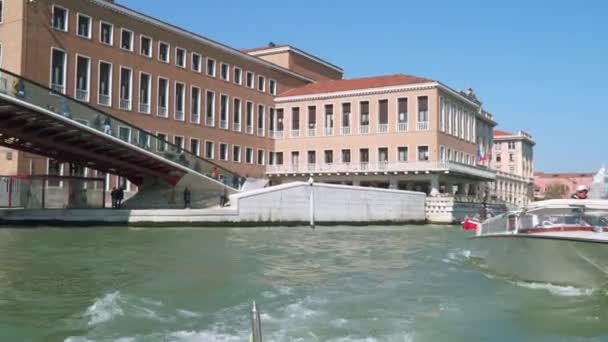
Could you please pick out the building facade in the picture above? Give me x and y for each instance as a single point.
(513, 159)
(564, 183)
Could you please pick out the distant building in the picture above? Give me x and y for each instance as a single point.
(513, 160)
(567, 181)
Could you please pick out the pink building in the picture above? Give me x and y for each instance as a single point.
(568, 180)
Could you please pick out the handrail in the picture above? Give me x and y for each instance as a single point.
(38, 95)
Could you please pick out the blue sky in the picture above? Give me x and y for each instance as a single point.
(541, 66)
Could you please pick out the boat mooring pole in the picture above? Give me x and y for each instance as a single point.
(312, 203)
(256, 324)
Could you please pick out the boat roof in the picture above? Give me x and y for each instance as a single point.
(568, 204)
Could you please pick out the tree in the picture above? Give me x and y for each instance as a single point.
(556, 190)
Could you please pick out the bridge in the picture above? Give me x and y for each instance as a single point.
(39, 120)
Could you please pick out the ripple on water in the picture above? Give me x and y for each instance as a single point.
(564, 291)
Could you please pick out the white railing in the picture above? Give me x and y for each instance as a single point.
(413, 166)
(236, 126)
(276, 134)
(423, 126)
(311, 132)
(364, 129)
(179, 115)
(144, 108)
(345, 130)
(124, 104)
(249, 129)
(104, 100)
(224, 124)
(58, 88)
(382, 128)
(162, 111)
(402, 127)
(210, 121)
(261, 132)
(295, 133)
(82, 95)
(195, 118)
(328, 131)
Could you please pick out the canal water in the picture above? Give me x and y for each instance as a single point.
(408, 283)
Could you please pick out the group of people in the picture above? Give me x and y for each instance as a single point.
(117, 196)
(233, 181)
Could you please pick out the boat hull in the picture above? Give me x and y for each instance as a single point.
(546, 259)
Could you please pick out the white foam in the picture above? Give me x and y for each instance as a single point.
(188, 314)
(193, 336)
(339, 323)
(105, 308)
(298, 310)
(77, 339)
(566, 291)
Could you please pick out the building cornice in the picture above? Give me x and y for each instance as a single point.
(270, 51)
(191, 35)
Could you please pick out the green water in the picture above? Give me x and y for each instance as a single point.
(410, 283)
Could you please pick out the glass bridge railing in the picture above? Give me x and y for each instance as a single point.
(30, 92)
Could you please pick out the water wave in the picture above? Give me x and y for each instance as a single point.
(105, 308)
(559, 290)
(457, 256)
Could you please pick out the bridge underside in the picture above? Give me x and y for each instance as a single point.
(28, 130)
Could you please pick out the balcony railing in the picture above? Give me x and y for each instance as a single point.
(195, 118)
(82, 95)
(124, 104)
(249, 129)
(209, 121)
(60, 88)
(179, 115)
(144, 108)
(382, 128)
(423, 126)
(295, 133)
(224, 124)
(276, 134)
(345, 130)
(328, 131)
(261, 132)
(162, 111)
(104, 100)
(236, 126)
(412, 166)
(364, 129)
(311, 132)
(402, 127)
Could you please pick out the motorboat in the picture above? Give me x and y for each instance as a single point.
(561, 242)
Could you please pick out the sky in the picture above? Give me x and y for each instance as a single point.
(540, 66)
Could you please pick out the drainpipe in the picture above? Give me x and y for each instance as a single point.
(311, 203)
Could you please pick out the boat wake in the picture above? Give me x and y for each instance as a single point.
(558, 290)
(457, 256)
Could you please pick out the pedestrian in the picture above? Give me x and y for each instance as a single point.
(120, 195)
(242, 181)
(216, 172)
(187, 197)
(107, 126)
(236, 182)
(114, 196)
(225, 197)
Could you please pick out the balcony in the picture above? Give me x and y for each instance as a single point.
(261, 132)
(144, 108)
(328, 131)
(224, 124)
(295, 133)
(195, 118)
(385, 167)
(58, 88)
(249, 130)
(402, 127)
(236, 126)
(276, 134)
(423, 126)
(105, 100)
(345, 130)
(179, 115)
(82, 95)
(210, 121)
(382, 128)
(125, 104)
(311, 132)
(162, 111)
(364, 129)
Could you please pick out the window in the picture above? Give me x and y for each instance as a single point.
(209, 150)
(402, 117)
(261, 120)
(223, 111)
(55, 168)
(161, 142)
(364, 113)
(249, 155)
(329, 156)
(179, 142)
(236, 153)
(261, 157)
(124, 133)
(210, 67)
(195, 105)
(364, 155)
(273, 87)
(225, 72)
(498, 158)
(1, 11)
(84, 26)
(423, 113)
(250, 79)
(126, 39)
(511, 157)
(83, 78)
(145, 89)
(105, 84)
(402, 153)
(58, 70)
(345, 156)
(163, 97)
(295, 158)
(382, 155)
(9, 154)
(261, 83)
(180, 57)
(145, 46)
(196, 62)
(346, 116)
(511, 145)
(278, 158)
(295, 119)
(195, 146)
(238, 75)
(312, 120)
(236, 115)
(106, 33)
(382, 116)
(210, 109)
(180, 101)
(60, 18)
(312, 157)
(423, 153)
(249, 117)
(163, 52)
(223, 151)
(126, 81)
(329, 119)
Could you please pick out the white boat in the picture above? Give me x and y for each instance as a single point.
(561, 242)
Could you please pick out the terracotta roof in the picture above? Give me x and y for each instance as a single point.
(356, 83)
(563, 174)
(499, 133)
(261, 48)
